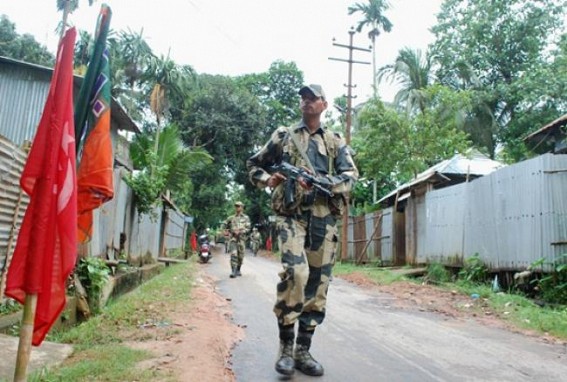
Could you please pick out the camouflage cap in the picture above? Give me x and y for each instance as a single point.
(239, 203)
(314, 89)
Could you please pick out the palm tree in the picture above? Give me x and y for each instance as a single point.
(374, 17)
(164, 79)
(174, 161)
(67, 6)
(413, 73)
(82, 52)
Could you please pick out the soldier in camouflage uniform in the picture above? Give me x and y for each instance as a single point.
(306, 229)
(238, 226)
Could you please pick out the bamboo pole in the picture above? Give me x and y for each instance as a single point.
(26, 334)
(30, 304)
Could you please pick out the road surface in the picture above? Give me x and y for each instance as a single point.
(366, 338)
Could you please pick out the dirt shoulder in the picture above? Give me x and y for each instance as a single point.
(450, 304)
(198, 348)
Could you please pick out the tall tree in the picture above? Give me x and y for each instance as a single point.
(412, 142)
(413, 72)
(503, 43)
(373, 17)
(225, 119)
(277, 91)
(167, 169)
(22, 47)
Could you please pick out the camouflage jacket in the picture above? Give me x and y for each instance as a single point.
(237, 225)
(326, 151)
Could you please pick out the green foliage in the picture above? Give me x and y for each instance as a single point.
(503, 50)
(474, 270)
(107, 363)
(412, 144)
(22, 47)
(97, 343)
(148, 184)
(166, 170)
(381, 276)
(93, 274)
(277, 91)
(373, 13)
(10, 306)
(437, 273)
(120, 317)
(414, 73)
(552, 286)
(524, 313)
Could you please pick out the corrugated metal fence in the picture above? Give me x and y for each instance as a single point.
(510, 218)
(117, 228)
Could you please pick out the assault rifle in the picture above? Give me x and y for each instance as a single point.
(292, 172)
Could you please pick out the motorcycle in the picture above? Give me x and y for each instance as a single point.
(204, 249)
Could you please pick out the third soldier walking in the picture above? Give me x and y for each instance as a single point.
(237, 226)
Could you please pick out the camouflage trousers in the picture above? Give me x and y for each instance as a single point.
(236, 248)
(308, 245)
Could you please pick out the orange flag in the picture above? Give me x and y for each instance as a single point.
(46, 249)
(92, 124)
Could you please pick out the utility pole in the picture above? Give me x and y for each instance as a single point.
(349, 86)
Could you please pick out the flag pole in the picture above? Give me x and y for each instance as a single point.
(26, 334)
(64, 20)
(30, 304)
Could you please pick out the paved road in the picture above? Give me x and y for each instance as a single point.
(365, 338)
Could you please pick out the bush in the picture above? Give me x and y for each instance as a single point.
(552, 286)
(474, 270)
(437, 273)
(93, 274)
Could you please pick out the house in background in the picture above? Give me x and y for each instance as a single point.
(23, 91)
(117, 227)
(549, 138)
(407, 202)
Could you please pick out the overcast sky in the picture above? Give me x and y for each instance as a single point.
(235, 37)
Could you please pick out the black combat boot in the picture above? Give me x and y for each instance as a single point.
(285, 364)
(304, 362)
(233, 274)
(238, 270)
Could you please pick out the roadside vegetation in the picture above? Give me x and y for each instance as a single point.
(538, 305)
(99, 343)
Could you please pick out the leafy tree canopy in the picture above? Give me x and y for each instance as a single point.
(504, 49)
(22, 47)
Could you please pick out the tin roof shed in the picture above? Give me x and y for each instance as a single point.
(457, 169)
(23, 91)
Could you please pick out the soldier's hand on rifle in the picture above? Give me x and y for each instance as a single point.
(276, 179)
(303, 182)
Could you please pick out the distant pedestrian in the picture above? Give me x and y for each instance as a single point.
(237, 226)
(193, 241)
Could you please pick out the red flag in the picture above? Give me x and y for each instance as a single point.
(46, 250)
(92, 119)
(193, 241)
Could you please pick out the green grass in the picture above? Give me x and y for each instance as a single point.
(524, 313)
(98, 353)
(100, 363)
(516, 309)
(381, 276)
